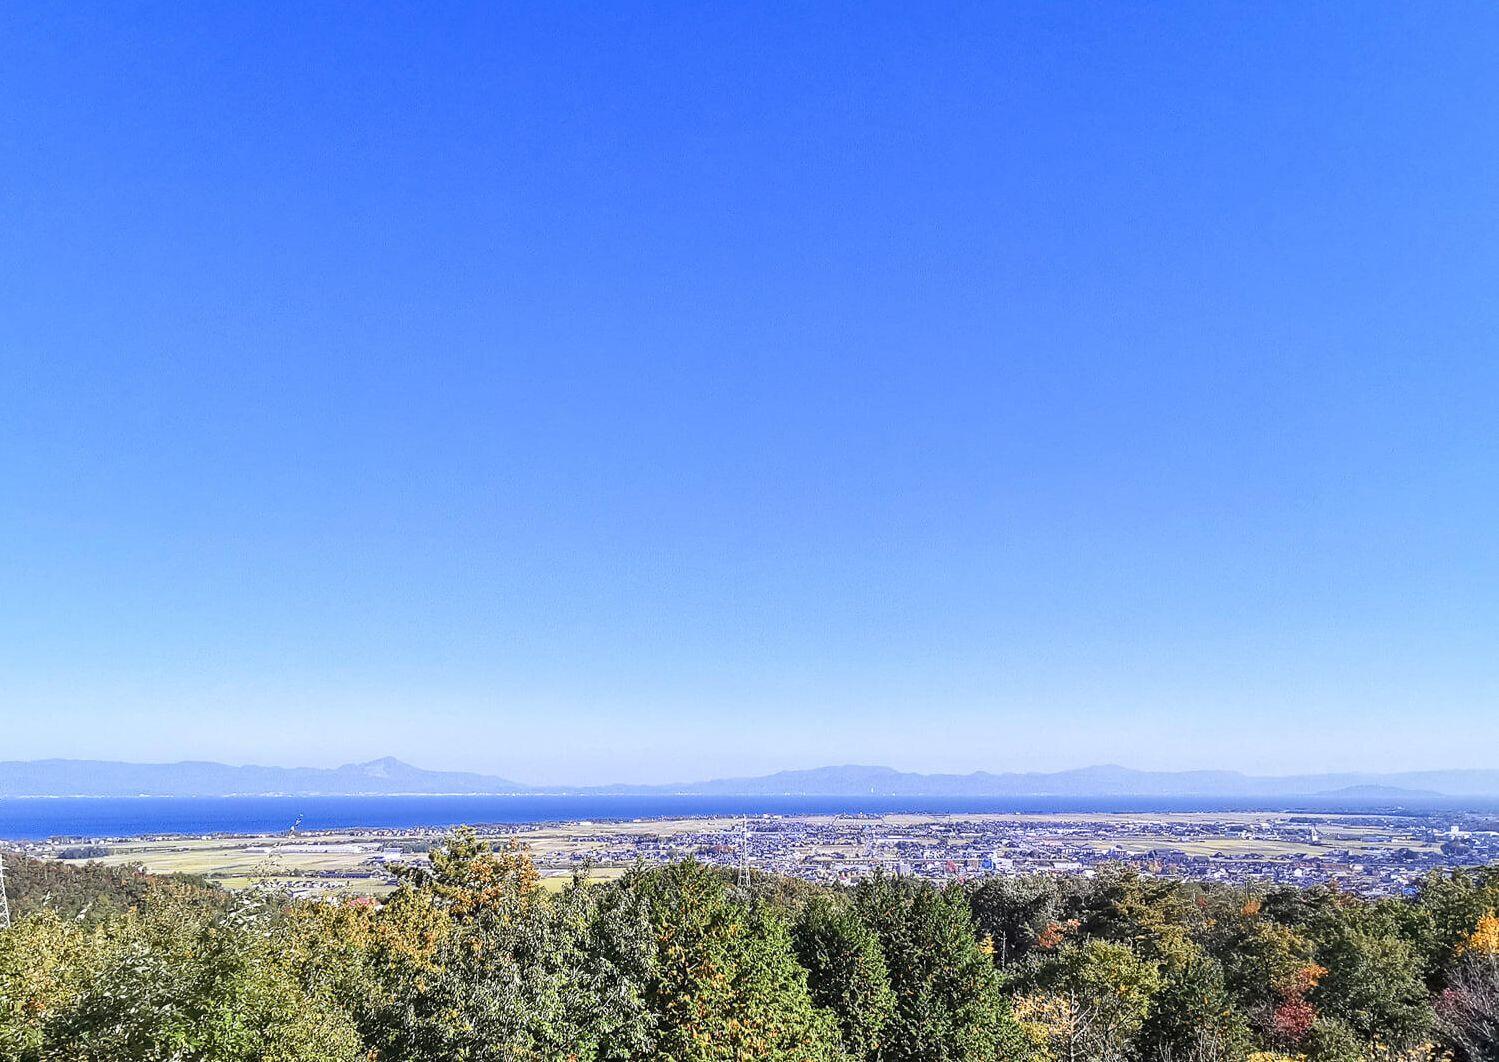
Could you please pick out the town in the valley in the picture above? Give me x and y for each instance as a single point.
(1373, 854)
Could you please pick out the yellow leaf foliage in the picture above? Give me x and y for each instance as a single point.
(1484, 940)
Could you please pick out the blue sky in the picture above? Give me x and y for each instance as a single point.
(585, 392)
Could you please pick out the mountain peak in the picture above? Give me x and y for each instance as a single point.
(384, 767)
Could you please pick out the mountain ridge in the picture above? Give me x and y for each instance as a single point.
(194, 778)
(393, 777)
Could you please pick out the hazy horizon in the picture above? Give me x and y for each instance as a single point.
(621, 779)
(583, 395)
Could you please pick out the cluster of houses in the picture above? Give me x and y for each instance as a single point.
(1370, 854)
(1375, 855)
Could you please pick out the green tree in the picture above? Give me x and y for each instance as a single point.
(726, 983)
(1332, 1040)
(1446, 911)
(1373, 983)
(948, 1000)
(94, 892)
(1012, 912)
(1192, 1017)
(385, 966)
(474, 882)
(846, 973)
(46, 964)
(1094, 998)
(471, 960)
(175, 982)
(1262, 959)
(1155, 918)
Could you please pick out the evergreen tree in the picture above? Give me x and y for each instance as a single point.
(726, 983)
(948, 1003)
(846, 973)
(1193, 1019)
(1373, 983)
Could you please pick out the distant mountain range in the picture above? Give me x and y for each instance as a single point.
(1108, 780)
(105, 778)
(102, 778)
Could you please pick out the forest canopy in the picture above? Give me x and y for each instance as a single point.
(472, 959)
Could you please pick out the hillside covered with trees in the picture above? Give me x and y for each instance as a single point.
(473, 960)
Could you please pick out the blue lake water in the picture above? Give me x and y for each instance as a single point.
(40, 818)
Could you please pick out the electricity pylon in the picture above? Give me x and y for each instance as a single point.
(4, 903)
(744, 853)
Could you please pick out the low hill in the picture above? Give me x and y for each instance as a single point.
(93, 891)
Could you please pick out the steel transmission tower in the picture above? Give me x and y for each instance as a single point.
(744, 853)
(4, 903)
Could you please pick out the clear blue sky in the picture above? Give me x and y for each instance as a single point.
(586, 392)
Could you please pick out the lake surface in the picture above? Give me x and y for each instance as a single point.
(40, 818)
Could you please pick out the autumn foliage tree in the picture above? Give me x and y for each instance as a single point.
(473, 958)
